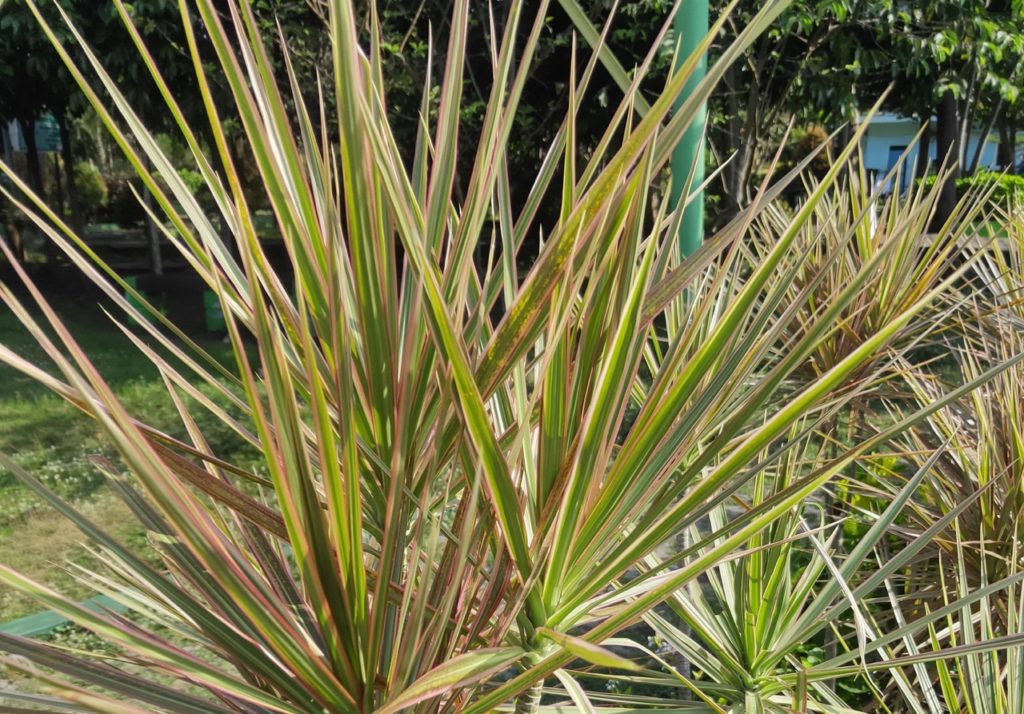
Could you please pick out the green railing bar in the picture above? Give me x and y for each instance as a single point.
(44, 623)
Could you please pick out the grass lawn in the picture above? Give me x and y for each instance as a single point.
(54, 441)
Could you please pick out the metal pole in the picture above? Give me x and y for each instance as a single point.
(691, 26)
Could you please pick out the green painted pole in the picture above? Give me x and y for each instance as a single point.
(691, 26)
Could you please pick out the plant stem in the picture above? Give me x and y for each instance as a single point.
(529, 701)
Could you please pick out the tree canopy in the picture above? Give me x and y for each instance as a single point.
(822, 61)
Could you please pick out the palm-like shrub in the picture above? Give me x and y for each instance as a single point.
(860, 235)
(449, 501)
(978, 621)
(981, 470)
(974, 577)
(982, 456)
(968, 509)
(747, 627)
(1000, 251)
(746, 624)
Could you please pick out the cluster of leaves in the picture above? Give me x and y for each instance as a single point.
(1006, 190)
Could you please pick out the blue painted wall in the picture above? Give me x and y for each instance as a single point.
(888, 135)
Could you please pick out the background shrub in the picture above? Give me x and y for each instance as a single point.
(1006, 188)
(91, 188)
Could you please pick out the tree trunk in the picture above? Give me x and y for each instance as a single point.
(732, 140)
(49, 247)
(983, 137)
(58, 189)
(966, 112)
(14, 240)
(9, 228)
(155, 259)
(737, 175)
(35, 172)
(1007, 151)
(845, 136)
(67, 156)
(924, 146)
(947, 154)
(5, 144)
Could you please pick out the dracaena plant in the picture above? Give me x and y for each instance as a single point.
(452, 494)
(981, 677)
(863, 235)
(999, 247)
(973, 619)
(982, 463)
(744, 628)
(860, 232)
(972, 575)
(967, 582)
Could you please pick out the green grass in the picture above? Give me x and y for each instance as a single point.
(54, 441)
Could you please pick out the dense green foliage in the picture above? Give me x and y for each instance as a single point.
(1005, 190)
(819, 63)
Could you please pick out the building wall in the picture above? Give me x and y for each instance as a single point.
(885, 134)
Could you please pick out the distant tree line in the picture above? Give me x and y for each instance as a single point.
(959, 60)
